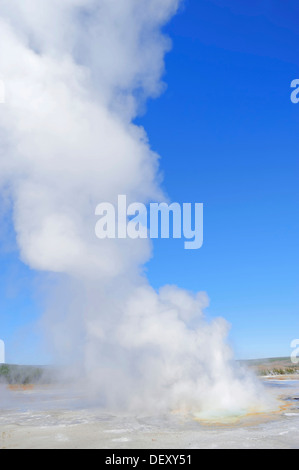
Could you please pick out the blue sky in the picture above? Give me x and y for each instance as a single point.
(227, 134)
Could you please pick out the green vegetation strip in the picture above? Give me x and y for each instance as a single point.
(14, 374)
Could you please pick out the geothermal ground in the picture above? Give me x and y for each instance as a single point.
(48, 416)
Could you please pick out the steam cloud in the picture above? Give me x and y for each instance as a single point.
(77, 72)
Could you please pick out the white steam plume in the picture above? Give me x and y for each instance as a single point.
(76, 73)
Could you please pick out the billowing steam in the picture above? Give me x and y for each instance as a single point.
(76, 73)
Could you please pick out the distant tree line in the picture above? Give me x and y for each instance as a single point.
(15, 374)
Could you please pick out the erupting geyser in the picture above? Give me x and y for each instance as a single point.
(76, 73)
